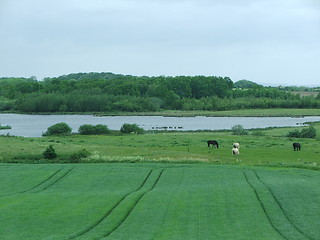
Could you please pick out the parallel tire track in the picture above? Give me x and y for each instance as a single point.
(134, 205)
(43, 182)
(56, 181)
(38, 185)
(263, 207)
(280, 206)
(111, 209)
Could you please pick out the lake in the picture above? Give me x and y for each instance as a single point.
(34, 125)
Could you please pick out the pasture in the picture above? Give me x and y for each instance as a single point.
(268, 148)
(161, 186)
(158, 201)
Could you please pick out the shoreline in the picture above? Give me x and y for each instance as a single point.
(275, 112)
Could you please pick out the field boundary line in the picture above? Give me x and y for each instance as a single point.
(56, 181)
(280, 206)
(134, 205)
(39, 184)
(112, 208)
(263, 207)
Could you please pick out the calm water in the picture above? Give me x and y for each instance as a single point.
(35, 125)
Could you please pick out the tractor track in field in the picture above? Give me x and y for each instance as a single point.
(135, 204)
(263, 207)
(111, 209)
(43, 182)
(36, 186)
(55, 181)
(116, 205)
(282, 209)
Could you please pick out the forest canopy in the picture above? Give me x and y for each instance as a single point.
(109, 92)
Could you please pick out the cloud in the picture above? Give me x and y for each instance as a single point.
(243, 39)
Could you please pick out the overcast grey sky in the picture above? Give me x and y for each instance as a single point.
(265, 41)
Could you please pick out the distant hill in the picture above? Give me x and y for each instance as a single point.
(246, 84)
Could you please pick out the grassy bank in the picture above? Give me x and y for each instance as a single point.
(259, 147)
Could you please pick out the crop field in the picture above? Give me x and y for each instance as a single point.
(158, 201)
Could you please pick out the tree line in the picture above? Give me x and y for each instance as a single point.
(108, 92)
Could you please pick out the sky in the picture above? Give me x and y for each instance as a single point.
(270, 42)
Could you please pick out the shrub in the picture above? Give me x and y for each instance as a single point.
(294, 134)
(88, 129)
(76, 157)
(258, 133)
(101, 129)
(49, 153)
(131, 128)
(309, 132)
(58, 129)
(239, 130)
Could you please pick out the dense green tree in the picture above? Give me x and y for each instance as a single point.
(108, 92)
(58, 129)
(89, 129)
(239, 130)
(131, 128)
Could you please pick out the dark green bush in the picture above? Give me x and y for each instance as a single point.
(88, 129)
(258, 133)
(76, 157)
(239, 130)
(309, 132)
(49, 153)
(294, 134)
(131, 128)
(61, 129)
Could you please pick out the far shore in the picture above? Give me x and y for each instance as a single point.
(274, 112)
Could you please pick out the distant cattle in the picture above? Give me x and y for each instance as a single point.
(214, 143)
(296, 146)
(236, 145)
(235, 151)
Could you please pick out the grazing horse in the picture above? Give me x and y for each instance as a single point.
(296, 146)
(214, 143)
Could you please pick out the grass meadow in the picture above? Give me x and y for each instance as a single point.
(166, 185)
(259, 147)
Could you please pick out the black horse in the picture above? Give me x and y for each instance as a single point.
(214, 143)
(296, 146)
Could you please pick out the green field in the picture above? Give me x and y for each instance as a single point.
(166, 185)
(271, 148)
(158, 201)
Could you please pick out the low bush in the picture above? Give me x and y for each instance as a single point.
(61, 129)
(78, 156)
(309, 132)
(49, 153)
(258, 133)
(239, 130)
(88, 129)
(294, 134)
(131, 128)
